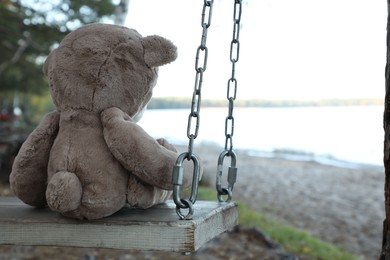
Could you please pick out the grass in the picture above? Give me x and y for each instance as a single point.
(293, 240)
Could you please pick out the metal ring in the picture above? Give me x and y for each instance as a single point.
(221, 190)
(227, 192)
(190, 207)
(177, 181)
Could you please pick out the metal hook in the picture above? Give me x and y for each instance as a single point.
(177, 181)
(232, 175)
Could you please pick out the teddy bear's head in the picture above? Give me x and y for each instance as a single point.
(99, 66)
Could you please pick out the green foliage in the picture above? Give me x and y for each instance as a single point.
(293, 240)
(39, 106)
(173, 102)
(29, 30)
(167, 103)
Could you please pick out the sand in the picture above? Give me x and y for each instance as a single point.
(339, 205)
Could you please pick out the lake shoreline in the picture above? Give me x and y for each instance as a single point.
(329, 135)
(289, 155)
(343, 206)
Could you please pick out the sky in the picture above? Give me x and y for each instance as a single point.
(301, 49)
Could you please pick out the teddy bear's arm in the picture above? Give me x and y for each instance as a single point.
(150, 160)
(29, 172)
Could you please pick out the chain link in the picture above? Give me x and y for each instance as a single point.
(194, 116)
(229, 121)
(193, 122)
(200, 68)
(232, 92)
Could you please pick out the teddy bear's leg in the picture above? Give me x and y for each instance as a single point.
(143, 195)
(72, 196)
(64, 192)
(104, 198)
(29, 172)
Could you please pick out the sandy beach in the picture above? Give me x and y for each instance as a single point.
(340, 205)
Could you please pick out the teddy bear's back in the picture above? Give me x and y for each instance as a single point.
(80, 148)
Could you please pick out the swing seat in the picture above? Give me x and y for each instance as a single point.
(157, 228)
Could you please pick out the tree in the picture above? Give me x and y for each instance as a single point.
(386, 124)
(29, 29)
(121, 11)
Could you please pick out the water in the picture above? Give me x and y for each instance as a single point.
(344, 136)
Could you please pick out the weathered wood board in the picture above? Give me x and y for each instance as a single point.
(158, 228)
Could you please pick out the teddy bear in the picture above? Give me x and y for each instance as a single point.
(90, 158)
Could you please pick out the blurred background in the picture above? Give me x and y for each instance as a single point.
(313, 67)
(29, 30)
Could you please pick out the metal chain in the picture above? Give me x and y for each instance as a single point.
(229, 121)
(178, 171)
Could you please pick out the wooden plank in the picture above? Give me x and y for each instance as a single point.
(157, 228)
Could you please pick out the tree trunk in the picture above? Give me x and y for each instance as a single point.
(385, 254)
(121, 12)
(18, 53)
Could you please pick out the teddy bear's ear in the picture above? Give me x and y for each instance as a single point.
(158, 51)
